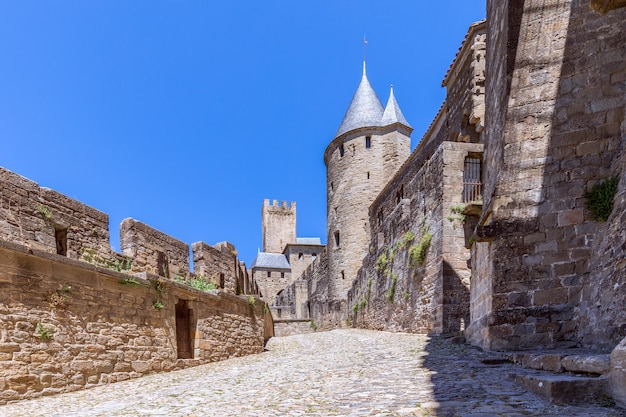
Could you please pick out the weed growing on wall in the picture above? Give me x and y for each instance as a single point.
(158, 305)
(43, 332)
(418, 252)
(313, 325)
(391, 292)
(59, 298)
(600, 199)
(129, 281)
(381, 263)
(44, 212)
(251, 300)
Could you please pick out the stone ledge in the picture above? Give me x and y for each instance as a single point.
(566, 389)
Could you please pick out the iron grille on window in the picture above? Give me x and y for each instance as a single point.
(472, 181)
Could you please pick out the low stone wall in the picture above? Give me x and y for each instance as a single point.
(66, 325)
(291, 327)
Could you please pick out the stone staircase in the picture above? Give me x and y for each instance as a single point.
(564, 377)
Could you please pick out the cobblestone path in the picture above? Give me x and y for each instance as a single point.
(337, 373)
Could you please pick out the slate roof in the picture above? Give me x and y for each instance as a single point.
(308, 241)
(392, 113)
(366, 110)
(270, 260)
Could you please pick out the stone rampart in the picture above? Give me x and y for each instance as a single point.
(68, 325)
(556, 100)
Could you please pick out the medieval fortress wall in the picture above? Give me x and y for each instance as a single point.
(74, 314)
(513, 255)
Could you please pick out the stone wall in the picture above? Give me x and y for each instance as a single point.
(218, 264)
(49, 221)
(153, 251)
(67, 325)
(555, 133)
(271, 281)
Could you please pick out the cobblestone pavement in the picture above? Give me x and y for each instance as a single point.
(337, 373)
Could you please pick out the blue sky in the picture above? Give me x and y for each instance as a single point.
(185, 115)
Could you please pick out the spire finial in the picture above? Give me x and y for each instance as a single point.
(364, 53)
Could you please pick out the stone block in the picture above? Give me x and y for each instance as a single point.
(565, 389)
(617, 375)
(588, 364)
(552, 296)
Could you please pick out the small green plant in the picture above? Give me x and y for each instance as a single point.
(457, 213)
(121, 266)
(251, 300)
(43, 332)
(266, 309)
(158, 305)
(472, 240)
(391, 292)
(313, 325)
(355, 308)
(418, 252)
(201, 284)
(600, 199)
(406, 295)
(363, 303)
(59, 298)
(159, 286)
(382, 262)
(406, 238)
(44, 212)
(129, 281)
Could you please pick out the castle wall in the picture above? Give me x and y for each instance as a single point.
(279, 225)
(271, 281)
(152, 250)
(301, 256)
(217, 264)
(69, 325)
(554, 133)
(33, 215)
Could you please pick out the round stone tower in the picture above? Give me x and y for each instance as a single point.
(369, 147)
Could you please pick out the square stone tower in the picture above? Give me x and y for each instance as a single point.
(279, 225)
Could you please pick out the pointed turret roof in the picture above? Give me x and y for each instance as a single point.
(392, 113)
(365, 109)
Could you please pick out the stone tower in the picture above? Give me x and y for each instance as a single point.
(371, 144)
(279, 225)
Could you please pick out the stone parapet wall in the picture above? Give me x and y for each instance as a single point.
(33, 215)
(153, 251)
(46, 220)
(68, 325)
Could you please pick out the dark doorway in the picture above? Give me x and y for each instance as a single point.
(184, 340)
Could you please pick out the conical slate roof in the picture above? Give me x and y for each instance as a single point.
(365, 109)
(393, 114)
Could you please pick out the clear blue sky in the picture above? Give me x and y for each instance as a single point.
(185, 115)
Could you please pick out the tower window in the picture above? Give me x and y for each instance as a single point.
(368, 142)
(332, 186)
(341, 150)
(472, 180)
(368, 175)
(337, 239)
(300, 255)
(343, 275)
(282, 275)
(222, 280)
(269, 274)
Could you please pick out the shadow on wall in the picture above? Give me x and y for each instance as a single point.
(456, 299)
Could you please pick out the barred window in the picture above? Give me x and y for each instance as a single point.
(472, 180)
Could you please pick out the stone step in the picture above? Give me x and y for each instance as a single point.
(566, 388)
(583, 363)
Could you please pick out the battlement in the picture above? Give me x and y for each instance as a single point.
(283, 205)
(48, 221)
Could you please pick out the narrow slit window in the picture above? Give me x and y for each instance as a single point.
(337, 239)
(341, 150)
(222, 280)
(60, 235)
(368, 142)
